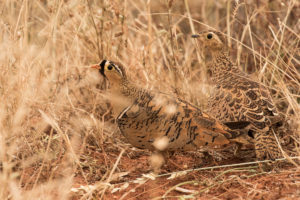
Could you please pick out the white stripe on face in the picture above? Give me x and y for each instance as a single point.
(116, 67)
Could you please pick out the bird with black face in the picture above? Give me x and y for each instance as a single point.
(237, 97)
(160, 122)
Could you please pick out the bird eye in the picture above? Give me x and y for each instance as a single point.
(209, 36)
(109, 67)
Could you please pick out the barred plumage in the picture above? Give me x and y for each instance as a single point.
(237, 97)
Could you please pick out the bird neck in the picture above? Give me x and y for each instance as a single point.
(119, 94)
(221, 63)
(135, 94)
(128, 89)
(126, 93)
(122, 88)
(221, 66)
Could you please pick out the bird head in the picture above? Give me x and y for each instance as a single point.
(211, 41)
(111, 71)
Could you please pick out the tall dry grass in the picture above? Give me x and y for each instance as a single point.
(51, 104)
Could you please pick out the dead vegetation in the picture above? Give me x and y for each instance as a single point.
(58, 139)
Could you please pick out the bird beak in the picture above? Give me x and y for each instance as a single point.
(98, 67)
(95, 67)
(195, 36)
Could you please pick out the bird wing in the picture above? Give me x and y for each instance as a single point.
(185, 126)
(254, 102)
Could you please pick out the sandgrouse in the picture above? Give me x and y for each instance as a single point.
(237, 97)
(145, 117)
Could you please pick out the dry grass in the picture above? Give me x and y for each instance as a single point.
(56, 130)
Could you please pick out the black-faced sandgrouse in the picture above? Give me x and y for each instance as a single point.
(147, 118)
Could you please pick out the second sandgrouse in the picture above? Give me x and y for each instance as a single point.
(238, 97)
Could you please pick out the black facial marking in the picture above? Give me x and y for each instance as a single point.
(209, 36)
(102, 64)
